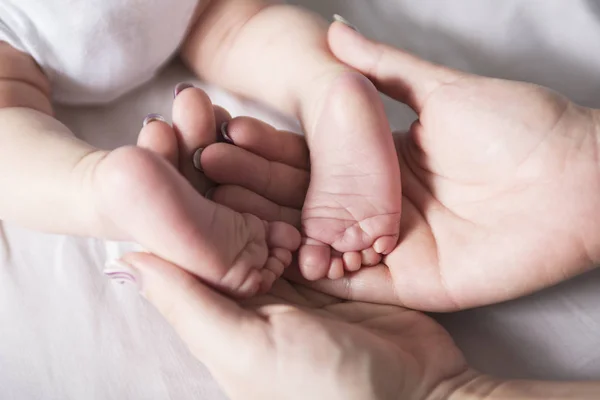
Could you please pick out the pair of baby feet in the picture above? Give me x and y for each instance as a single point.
(154, 193)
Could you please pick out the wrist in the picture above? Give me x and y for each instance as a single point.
(90, 214)
(485, 387)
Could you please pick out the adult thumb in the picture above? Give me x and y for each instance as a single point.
(398, 74)
(211, 324)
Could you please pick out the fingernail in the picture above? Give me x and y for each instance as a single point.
(180, 87)
(339, 18)
(196, 159)
(153, 117)
(225, 133)
(209, 193)
(121, 272)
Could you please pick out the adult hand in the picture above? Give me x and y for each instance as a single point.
(296, 343)
(501, 178)
(501, 184)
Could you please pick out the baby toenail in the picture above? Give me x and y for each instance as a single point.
(153, 117)
(225, 133)
(180, 87)
(196, 159)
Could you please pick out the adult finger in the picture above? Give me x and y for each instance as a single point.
(222, 118)
(243, 200)
(264, 140)
(214, 327)
(232, 165)
(157, 136)
(398, 74)
(194, 124)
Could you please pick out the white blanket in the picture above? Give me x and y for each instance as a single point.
(67, 333)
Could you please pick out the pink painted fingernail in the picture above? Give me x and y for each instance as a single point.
(153, 117)
(180, 87)
(197, 159)
(122, 273)
(339, 18)
(225, 133)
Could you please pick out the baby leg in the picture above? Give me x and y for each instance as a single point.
(237, 253)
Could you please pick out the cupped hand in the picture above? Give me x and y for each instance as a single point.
(297, 343)
(501, 184)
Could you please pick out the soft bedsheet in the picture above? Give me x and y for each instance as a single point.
(66, 333)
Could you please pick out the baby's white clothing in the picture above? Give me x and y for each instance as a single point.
(94, 51)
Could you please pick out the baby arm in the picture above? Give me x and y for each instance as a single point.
(43, 168)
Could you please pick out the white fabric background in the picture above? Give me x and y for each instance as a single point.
(66, 333)
(94, 51)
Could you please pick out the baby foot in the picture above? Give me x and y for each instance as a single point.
(354, 198)
(142, 193)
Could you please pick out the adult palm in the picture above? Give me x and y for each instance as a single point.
(501, 184)
(297, 343)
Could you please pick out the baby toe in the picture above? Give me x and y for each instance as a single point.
(336, 268)
(270, 273)
(385, 244)
(370, 257)
(352, 261)
(283, 255)
(283, 235)
(314, 260)
(251, 286)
